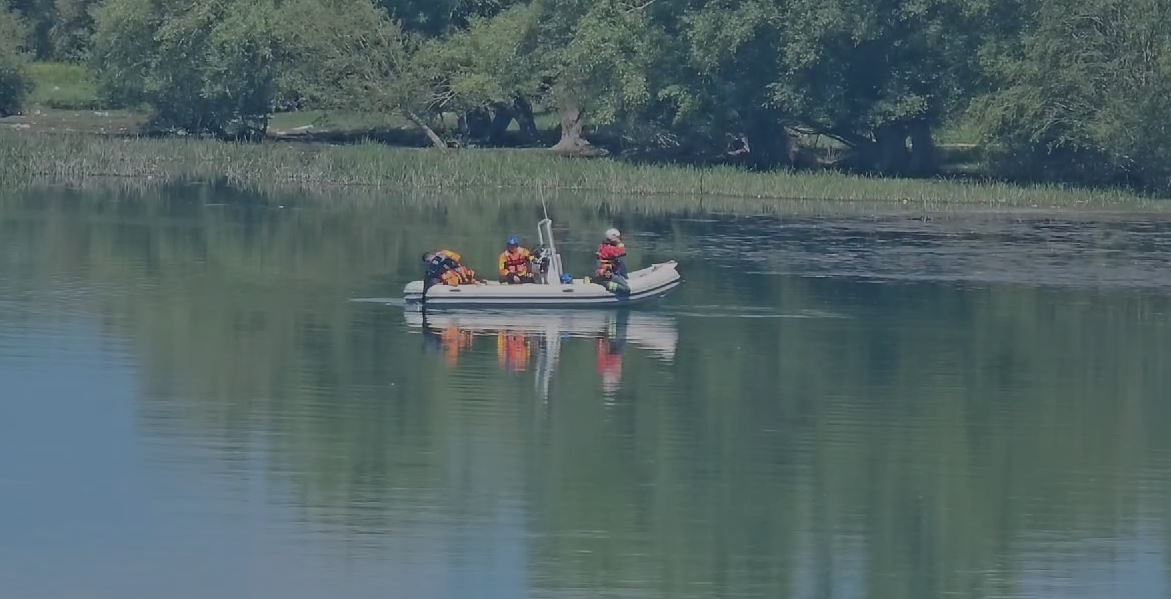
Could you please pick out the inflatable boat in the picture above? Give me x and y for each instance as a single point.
(550, 289)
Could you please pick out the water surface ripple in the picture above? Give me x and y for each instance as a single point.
(231, 401)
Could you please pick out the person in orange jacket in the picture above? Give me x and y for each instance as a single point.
(516, 264)
(446, 267)
(611, 270)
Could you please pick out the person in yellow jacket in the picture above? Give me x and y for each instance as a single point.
(446, 267)
(516, 264)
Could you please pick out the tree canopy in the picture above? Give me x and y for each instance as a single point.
(1059, 90)
(1086, 94)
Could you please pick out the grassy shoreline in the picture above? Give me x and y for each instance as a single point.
(29, 158)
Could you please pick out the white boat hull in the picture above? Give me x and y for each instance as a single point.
(646, 285)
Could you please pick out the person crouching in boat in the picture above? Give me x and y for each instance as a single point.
(516, 264)
(611, 272)
(445, 267)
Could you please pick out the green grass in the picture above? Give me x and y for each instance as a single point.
(99, 122)
(62, 86)
(30, 158)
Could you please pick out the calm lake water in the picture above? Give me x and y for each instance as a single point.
(213, 393)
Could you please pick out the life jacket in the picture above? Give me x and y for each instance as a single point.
(516, 263)
(440, 262)
(449, 255)
(610, 259)
(446, 267)
(451, 277)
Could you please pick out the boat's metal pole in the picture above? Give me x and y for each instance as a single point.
(545, 233)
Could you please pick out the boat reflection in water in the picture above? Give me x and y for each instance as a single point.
(533, 339)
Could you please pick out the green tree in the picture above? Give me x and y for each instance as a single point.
(58, 29)
(1085, 95)
(38, 18)
(204, 67)
(434, 18)
(222, 67)
(463, 72)
(599, 61)
(15, 83)
(732, 57)
(695, 77)
(711, 73)
(876, 75)
(489, 72)
(356, 57)
(72, 28)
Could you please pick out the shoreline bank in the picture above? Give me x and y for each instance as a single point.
(29, 158)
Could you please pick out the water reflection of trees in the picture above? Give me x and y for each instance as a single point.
(926, 440)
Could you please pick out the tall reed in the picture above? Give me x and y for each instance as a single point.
(27, 158)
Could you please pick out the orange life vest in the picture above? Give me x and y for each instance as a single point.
(459, 274)
(609, 256)
(516, 263)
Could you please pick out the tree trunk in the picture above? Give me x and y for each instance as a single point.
(501, 119)
(522, 110)
(924, 160)
(427, 130)
(890, 154)
(768, 144)
(572, 143)
(476, 124)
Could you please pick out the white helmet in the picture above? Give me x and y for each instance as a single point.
(613, 234)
